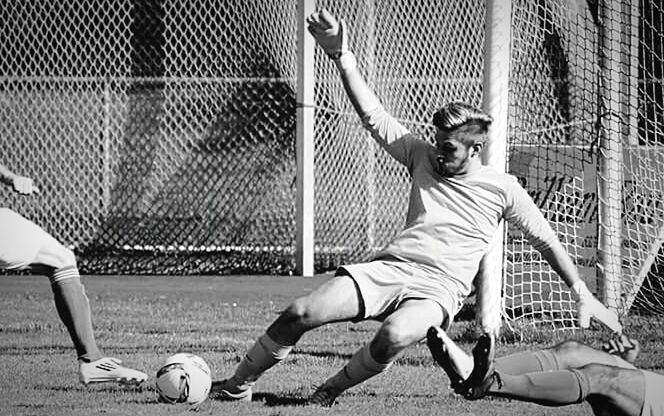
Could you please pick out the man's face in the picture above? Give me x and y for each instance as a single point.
(453, 155)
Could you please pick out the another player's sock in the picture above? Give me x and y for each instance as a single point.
(550, 388)
(361, 367)
(74, 310)
(264, 354)
(527, 362)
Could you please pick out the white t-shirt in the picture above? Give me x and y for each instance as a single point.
(451, 221)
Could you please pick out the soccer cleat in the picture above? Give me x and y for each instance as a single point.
(226, 390)
(483, 375)
(109, 370)
(436, 341)
(325, 395)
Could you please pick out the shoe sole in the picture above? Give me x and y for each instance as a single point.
(439, 353)
(481, 378)
(121, 381)
(228, 396)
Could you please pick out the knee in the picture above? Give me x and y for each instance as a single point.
(567, 347)
(63, 257)
(601, 379)
(299, 313)
(52, 254)
(569, 354)
(391, 339)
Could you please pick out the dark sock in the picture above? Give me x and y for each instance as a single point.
(74, 311)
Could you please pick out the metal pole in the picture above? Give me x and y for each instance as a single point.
(304, 249)
(610, 176)
(495, 102)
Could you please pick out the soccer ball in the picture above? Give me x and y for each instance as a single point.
(184, 378)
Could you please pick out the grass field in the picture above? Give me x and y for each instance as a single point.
(142, 320)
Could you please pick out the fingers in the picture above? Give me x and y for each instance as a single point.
(23, 185)
(321, 21)
(620, 345)
(328, 19)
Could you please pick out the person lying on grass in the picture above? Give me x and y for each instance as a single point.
(565, 374)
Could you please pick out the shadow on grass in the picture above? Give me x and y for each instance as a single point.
(323, 354)
(270, 399)
(275, 400)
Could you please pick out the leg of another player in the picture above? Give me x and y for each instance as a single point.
(404, 327)
(336, 300)
(59, 264)
(606, 388)
(564, 356)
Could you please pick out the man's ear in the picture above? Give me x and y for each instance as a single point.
(477, 149)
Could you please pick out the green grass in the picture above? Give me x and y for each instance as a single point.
(143, 320)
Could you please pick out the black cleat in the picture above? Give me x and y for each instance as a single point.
(483, 375)
(440, 355)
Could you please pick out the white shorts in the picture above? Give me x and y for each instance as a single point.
(385, 284)
(653, 402)
(20, 240)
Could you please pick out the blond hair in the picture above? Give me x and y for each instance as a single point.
(457, 115)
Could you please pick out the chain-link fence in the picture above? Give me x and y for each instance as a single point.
(162, 133)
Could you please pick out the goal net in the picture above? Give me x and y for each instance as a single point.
(162, 134)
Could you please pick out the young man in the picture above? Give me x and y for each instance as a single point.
(421, 278)
(24, 244)
(566, 374)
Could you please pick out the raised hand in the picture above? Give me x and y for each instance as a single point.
(24, 185)
(330, 34)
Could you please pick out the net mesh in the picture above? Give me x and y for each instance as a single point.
(586, 141)
(162, 134)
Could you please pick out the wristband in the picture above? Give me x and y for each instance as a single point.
(345, 60)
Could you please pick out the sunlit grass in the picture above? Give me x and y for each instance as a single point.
(143, 320)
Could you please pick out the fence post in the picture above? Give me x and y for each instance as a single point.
(304, 209)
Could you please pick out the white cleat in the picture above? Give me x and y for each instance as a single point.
(109, 370)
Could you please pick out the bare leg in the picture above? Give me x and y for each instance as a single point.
(71, 302)
(334, 301)
(404, 327)
(564, 356)
(606, 388)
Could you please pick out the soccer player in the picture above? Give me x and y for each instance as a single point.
(568, 373)
(422, 276)
(24, 244)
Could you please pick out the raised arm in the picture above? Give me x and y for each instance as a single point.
(21, 184)
(332, 36)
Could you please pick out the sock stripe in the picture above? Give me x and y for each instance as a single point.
(67, 272)
(584, 384)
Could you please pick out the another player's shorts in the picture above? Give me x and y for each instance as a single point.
(386, 284)
(20, 240)
(653, 402)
